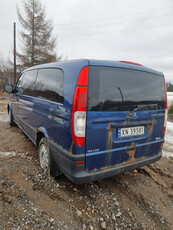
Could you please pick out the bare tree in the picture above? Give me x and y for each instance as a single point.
(38, 44)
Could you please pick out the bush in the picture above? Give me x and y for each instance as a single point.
(170, 111)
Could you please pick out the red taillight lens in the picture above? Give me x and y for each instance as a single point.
(80, 99)
(79, 109)
(166, 108)
(80, 162)
(83, 78)
(164, 129)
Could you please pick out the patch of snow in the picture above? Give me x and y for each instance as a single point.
(170, 98)
(13, 154)
(7, 154)
(168, 145)
(170, 93)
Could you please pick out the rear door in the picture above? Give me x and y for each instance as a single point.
(125, 116)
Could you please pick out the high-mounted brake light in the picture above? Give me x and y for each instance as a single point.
(132, 63)
(78, 119)
(166, 108)
(80, 162)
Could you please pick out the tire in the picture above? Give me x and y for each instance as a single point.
(11, 119)
(44, 155)
(45, 160)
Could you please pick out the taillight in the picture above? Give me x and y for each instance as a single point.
(166, 108)
(78, 119)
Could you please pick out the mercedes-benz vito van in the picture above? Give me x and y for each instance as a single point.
(91, 119)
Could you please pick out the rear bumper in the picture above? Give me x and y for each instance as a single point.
(66, 162)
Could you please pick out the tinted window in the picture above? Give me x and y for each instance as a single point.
(50, 85)
(115, 89)
(27, 81)
(19, 81)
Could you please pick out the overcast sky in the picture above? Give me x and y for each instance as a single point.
(135, 30)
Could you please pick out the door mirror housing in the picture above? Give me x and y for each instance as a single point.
(20, 90)
(9, 88)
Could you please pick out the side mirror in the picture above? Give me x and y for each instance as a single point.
(20, 90)
(8, 88)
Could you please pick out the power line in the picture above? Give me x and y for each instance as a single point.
(103, 19)
(114, 32)
(112, 24)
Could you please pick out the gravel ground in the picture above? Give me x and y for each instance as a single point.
(29, 200)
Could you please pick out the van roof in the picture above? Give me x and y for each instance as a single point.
(80, 63)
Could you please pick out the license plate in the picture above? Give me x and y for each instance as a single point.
(131, 131)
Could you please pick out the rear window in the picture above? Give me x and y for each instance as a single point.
(116, 89)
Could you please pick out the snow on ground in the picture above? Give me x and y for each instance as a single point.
(168, 145)
(8, 154)
(170, 98)
(13, 154)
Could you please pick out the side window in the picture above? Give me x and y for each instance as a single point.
(50, 85)
(27, 82)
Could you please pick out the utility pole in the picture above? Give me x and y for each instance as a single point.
(14, 54)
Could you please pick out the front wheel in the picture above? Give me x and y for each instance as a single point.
(11, 119)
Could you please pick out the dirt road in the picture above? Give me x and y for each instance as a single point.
(29, 200)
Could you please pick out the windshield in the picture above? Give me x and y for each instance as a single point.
(116, 89)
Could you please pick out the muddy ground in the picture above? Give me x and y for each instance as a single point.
(29, 200)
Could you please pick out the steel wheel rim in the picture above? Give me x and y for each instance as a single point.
(43, 154)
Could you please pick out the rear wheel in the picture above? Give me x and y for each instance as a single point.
(44, 155)
(46, 163)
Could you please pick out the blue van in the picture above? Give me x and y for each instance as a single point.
(91, 119)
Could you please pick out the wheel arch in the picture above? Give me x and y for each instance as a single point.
(54, 170)
(41, 132)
